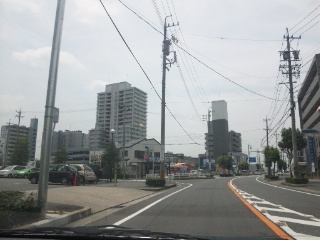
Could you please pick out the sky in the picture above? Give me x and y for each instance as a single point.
(231, 53)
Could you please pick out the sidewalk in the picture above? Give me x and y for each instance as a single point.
(68, 204)
(312, 187)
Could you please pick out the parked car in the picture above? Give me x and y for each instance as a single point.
(86, 173)
(10, 170)
(25, 172)
(98, 171)
(60, 173)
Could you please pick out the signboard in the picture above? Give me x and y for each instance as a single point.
(252, 159)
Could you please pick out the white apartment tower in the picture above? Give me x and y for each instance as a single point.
(120, 104)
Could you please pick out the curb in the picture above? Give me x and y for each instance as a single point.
(56, 220)
(159, 188)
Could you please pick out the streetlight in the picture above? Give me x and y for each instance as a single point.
(114, 170)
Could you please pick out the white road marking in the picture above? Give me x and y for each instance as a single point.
(289, 189)
(309, 221)
(149, 206)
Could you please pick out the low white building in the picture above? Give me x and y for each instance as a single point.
(140, 157)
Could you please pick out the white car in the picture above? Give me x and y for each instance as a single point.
(10, 171)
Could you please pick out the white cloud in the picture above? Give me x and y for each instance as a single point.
(22, 5)
(39, 56)
(97, 84)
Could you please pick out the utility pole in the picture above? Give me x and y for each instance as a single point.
(49, 108)
(5, 161)
(291, 69)
(19, 117)
(267, 129)
(165, 62)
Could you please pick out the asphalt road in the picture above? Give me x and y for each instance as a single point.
(298, 210)
(197, 207)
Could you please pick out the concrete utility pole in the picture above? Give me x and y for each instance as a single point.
(287, 57)
(49, 108)
(19, 116)
(5, 161)
(267, 129)
(165, 62)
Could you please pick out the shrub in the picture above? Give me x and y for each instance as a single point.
(297, 180)
(238, 174)
(271, 177)
(17, 208)
(155, 182)
(226, 175)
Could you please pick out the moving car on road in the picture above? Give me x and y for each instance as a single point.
(25, 172)
(86, 173)
(61, 173)
(11, 170)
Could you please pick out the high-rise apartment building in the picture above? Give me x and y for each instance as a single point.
(10, 134)
(235, 144)
(219, 141)
(309, 111)
(32, 138)
(123, 108)
(76, 143)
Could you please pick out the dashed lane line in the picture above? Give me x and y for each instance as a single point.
(263, 206)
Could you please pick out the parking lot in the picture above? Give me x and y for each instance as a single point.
(18, 184)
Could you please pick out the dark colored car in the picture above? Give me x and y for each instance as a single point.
(61, 173)
(98, 171)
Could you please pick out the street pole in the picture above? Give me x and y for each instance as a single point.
(165, 53)
(292, 108)
(267, 129)
(114, 167)
(49, 108)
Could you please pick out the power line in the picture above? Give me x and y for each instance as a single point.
(236, 39)
(305, 17)
(309, 28)
(192, 56)
(142, 68)
(306, 25)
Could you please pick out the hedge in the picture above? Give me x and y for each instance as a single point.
(18, 208)
(155, 182)
(226, 175)
(298, 180)
(271, 177)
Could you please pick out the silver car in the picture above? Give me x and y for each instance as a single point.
(10, 171)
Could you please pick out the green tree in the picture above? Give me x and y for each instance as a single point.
(225, 162)
(271, 155)
(258, 165)
(37, 163)
(61, 156)
(110, 160)
(20, 153)
(244, 166)
(282, 165)
(286, 143)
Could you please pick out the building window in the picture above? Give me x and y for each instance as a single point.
(156, 154)
(126, 153)
(138, 154)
